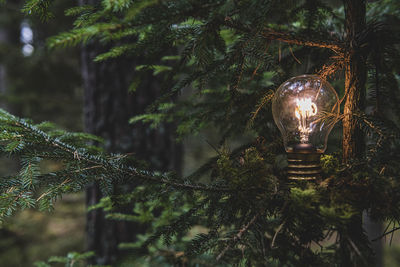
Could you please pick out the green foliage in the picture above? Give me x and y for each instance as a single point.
(228, 57)
(40, 7)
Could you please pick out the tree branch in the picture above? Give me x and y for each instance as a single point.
(287, 37)
(103, 162)
(292, 38)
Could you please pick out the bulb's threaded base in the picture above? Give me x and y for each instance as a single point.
(303, 165)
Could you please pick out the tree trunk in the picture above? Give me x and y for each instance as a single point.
(353, 147)
(355, 78)
(107, 108)
(353, 137)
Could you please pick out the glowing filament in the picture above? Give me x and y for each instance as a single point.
(304, 110)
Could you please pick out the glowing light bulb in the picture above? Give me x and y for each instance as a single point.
(305, 108)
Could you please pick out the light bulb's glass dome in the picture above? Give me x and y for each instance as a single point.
(305, 108)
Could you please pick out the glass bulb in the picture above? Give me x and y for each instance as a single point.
(305, 108)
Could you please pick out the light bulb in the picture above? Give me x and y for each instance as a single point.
(305, 108)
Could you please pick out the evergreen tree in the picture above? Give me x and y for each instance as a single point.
(234, 54)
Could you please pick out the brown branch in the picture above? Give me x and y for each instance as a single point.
(292, 38)
(295, 58)
(329, 69)
(286, 37)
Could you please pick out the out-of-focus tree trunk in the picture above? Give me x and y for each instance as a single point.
(107, 108)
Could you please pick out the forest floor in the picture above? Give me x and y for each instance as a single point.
(32, 236)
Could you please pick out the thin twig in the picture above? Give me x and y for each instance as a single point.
(265, 99)
(48, 192)
(277, 232)
(295, 58)
(213, 147)
(259, 63)
(385, 234)
(357, 251)
(280, 226)
(238, 236)
(89, 168)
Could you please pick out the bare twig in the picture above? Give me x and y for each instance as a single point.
(277, 232)
(295, 58)
(386, 233)
(280, 226)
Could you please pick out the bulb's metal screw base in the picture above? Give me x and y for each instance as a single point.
(303, 165)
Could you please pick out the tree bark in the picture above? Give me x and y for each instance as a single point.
(353, 147)
(107, 109)
(355, 78)
(353, 137)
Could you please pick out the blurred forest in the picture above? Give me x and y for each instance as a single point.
(45, 84)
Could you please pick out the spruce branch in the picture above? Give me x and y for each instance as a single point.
(80, 154)
(287, 37)
(264, 100)
(292, 38)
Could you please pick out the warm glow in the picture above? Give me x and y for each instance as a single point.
(304, 110)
